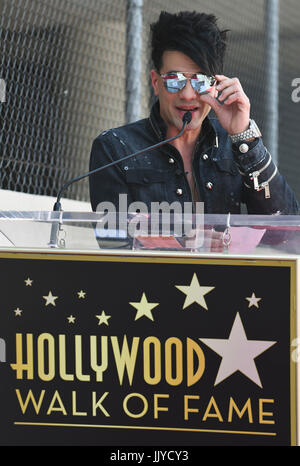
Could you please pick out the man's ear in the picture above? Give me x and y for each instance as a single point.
(154, 80)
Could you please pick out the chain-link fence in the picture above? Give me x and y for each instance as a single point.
(63, 68)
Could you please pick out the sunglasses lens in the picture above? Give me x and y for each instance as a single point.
(202, 84)
(174, 83)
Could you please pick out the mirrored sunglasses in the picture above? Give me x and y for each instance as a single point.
(175, 81)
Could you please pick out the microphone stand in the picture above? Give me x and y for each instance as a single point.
(187, 117)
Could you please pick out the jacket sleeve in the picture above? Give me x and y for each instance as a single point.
(265, 190)
(107, 184)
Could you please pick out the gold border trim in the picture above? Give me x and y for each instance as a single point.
(180, 429)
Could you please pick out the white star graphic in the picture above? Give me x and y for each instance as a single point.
(81, 294)
(18, 312)
(28, 281)
(50, 299)
(195, 293)
(238, 353)
(253, 300)
(144, 308)
(71, 319)
(103, 318)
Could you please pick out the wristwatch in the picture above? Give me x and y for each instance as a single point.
(251, 133)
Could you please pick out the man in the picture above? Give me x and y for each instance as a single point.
(221, 161)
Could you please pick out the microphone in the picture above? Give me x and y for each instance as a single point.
(186, 119)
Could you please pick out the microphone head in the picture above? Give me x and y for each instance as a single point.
(187, 117)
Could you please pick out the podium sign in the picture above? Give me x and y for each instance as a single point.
(126, 349)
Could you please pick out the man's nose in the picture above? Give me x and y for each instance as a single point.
(188, 92)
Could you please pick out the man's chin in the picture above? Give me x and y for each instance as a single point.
(177, 123)
(195, 124)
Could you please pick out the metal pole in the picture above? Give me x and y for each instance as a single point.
(134, 59)
(271, 69)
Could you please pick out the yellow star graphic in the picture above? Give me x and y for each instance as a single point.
(50, 299)
(81, 294)
(144, 308)
(28, 282)
(253, 300)
(71, 319)
(103, 318)
(195, 293)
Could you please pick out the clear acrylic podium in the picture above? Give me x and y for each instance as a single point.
(241, 234)
(133, 330)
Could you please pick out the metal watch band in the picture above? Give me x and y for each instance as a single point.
(251, 132)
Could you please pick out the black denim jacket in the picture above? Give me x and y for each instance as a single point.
(222, 173)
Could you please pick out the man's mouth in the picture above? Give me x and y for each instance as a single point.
(187, 109)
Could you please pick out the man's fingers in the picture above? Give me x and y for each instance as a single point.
(227, 91)
(234, 97)
(212, 101)
(225, 82)
(220, 77)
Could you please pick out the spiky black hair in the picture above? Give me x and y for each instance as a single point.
(194, 34)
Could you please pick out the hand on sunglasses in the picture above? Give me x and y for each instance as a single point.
(231, 106)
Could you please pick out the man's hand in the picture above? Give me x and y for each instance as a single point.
(206, 240)
(232, 106)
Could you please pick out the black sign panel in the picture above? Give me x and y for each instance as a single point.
(131, 350)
